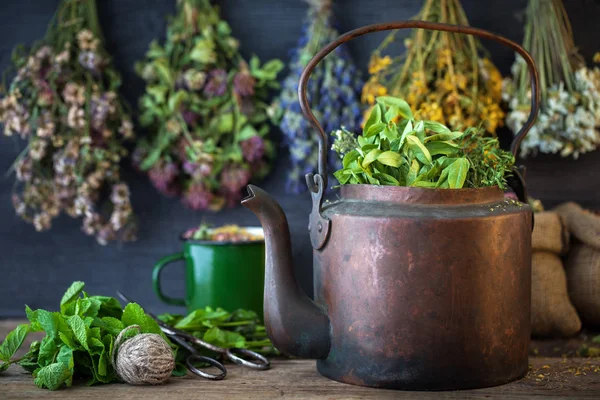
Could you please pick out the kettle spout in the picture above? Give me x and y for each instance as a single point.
(295, 324)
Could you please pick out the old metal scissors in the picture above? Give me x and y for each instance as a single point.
(190, 343)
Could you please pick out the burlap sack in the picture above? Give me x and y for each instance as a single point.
(552, 314)
(549, 233)
(583, 277)
(583, 224)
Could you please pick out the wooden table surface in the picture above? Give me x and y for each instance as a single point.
(298, 379)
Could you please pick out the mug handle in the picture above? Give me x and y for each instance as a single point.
(156, 279)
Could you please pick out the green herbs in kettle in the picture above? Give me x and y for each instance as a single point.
(397, 150)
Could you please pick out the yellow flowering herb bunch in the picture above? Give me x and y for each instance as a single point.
(443, 75)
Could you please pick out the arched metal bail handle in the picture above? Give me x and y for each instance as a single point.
(308, 114)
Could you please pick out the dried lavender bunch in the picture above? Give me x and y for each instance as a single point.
(63, 101)
(333, 91)
(569, 118)
(206, 111)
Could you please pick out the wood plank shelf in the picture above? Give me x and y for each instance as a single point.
(298, 379)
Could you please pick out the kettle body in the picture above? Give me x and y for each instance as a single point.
(425, 289)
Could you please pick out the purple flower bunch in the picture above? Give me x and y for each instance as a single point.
(333, 92)
(205, 108)
(62, 101)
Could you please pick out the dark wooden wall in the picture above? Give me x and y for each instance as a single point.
(35, 268)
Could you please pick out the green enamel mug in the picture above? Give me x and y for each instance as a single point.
(224, 274)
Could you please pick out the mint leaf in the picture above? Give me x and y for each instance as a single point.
(65, 356)
(13, 342)
(53, 376)
(224, 338)
(32, 316)
(4, 367)
(133, 314)
(195, 320)
(68, 339)
(29, 360)
(48, 351)
(49, 322)
(72, 293)
(109, 307)
(79, 330)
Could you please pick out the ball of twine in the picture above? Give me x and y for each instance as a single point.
(144, 359)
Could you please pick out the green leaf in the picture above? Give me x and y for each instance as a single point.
(424, 184)
(110, 324)
(428, 173)
(436, 127)
(197, 318)
(29, 360)
(391, 132)
(49, 322)
(457, 173)
(224, 123)
(4, 366)
(374, 118)
(408, 129)
(370, 157)
(443, 179)
(341, 176)
(79, 330)
(53, 376)
(158, 93)
(386, 179)
(48, 351)
(133, 314)
(445, 148)
(247, 132)
(65, 356)
(176, 99)
(71, 294)
(391, 113)
(32, 316)
(204, 52)
(420, 131)
(419, 150)
(412, 172)
(349, 158)
(109, 307)
(68, 339)
(155, 50)
(403, 108)
(161, 66)
(443, 137)
(13, 342)
(224, 338)
(375, 129)
(390, 158)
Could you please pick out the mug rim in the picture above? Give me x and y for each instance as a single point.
(228, 242)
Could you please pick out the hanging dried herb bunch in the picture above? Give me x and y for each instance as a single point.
(569, 115)
(443, 75)
(333, 90)
(63, 101)
(206, 111)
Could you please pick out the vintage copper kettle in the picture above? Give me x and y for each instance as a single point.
(415, 288)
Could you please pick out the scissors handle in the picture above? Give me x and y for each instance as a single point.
(198, 358)
(262, 363)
